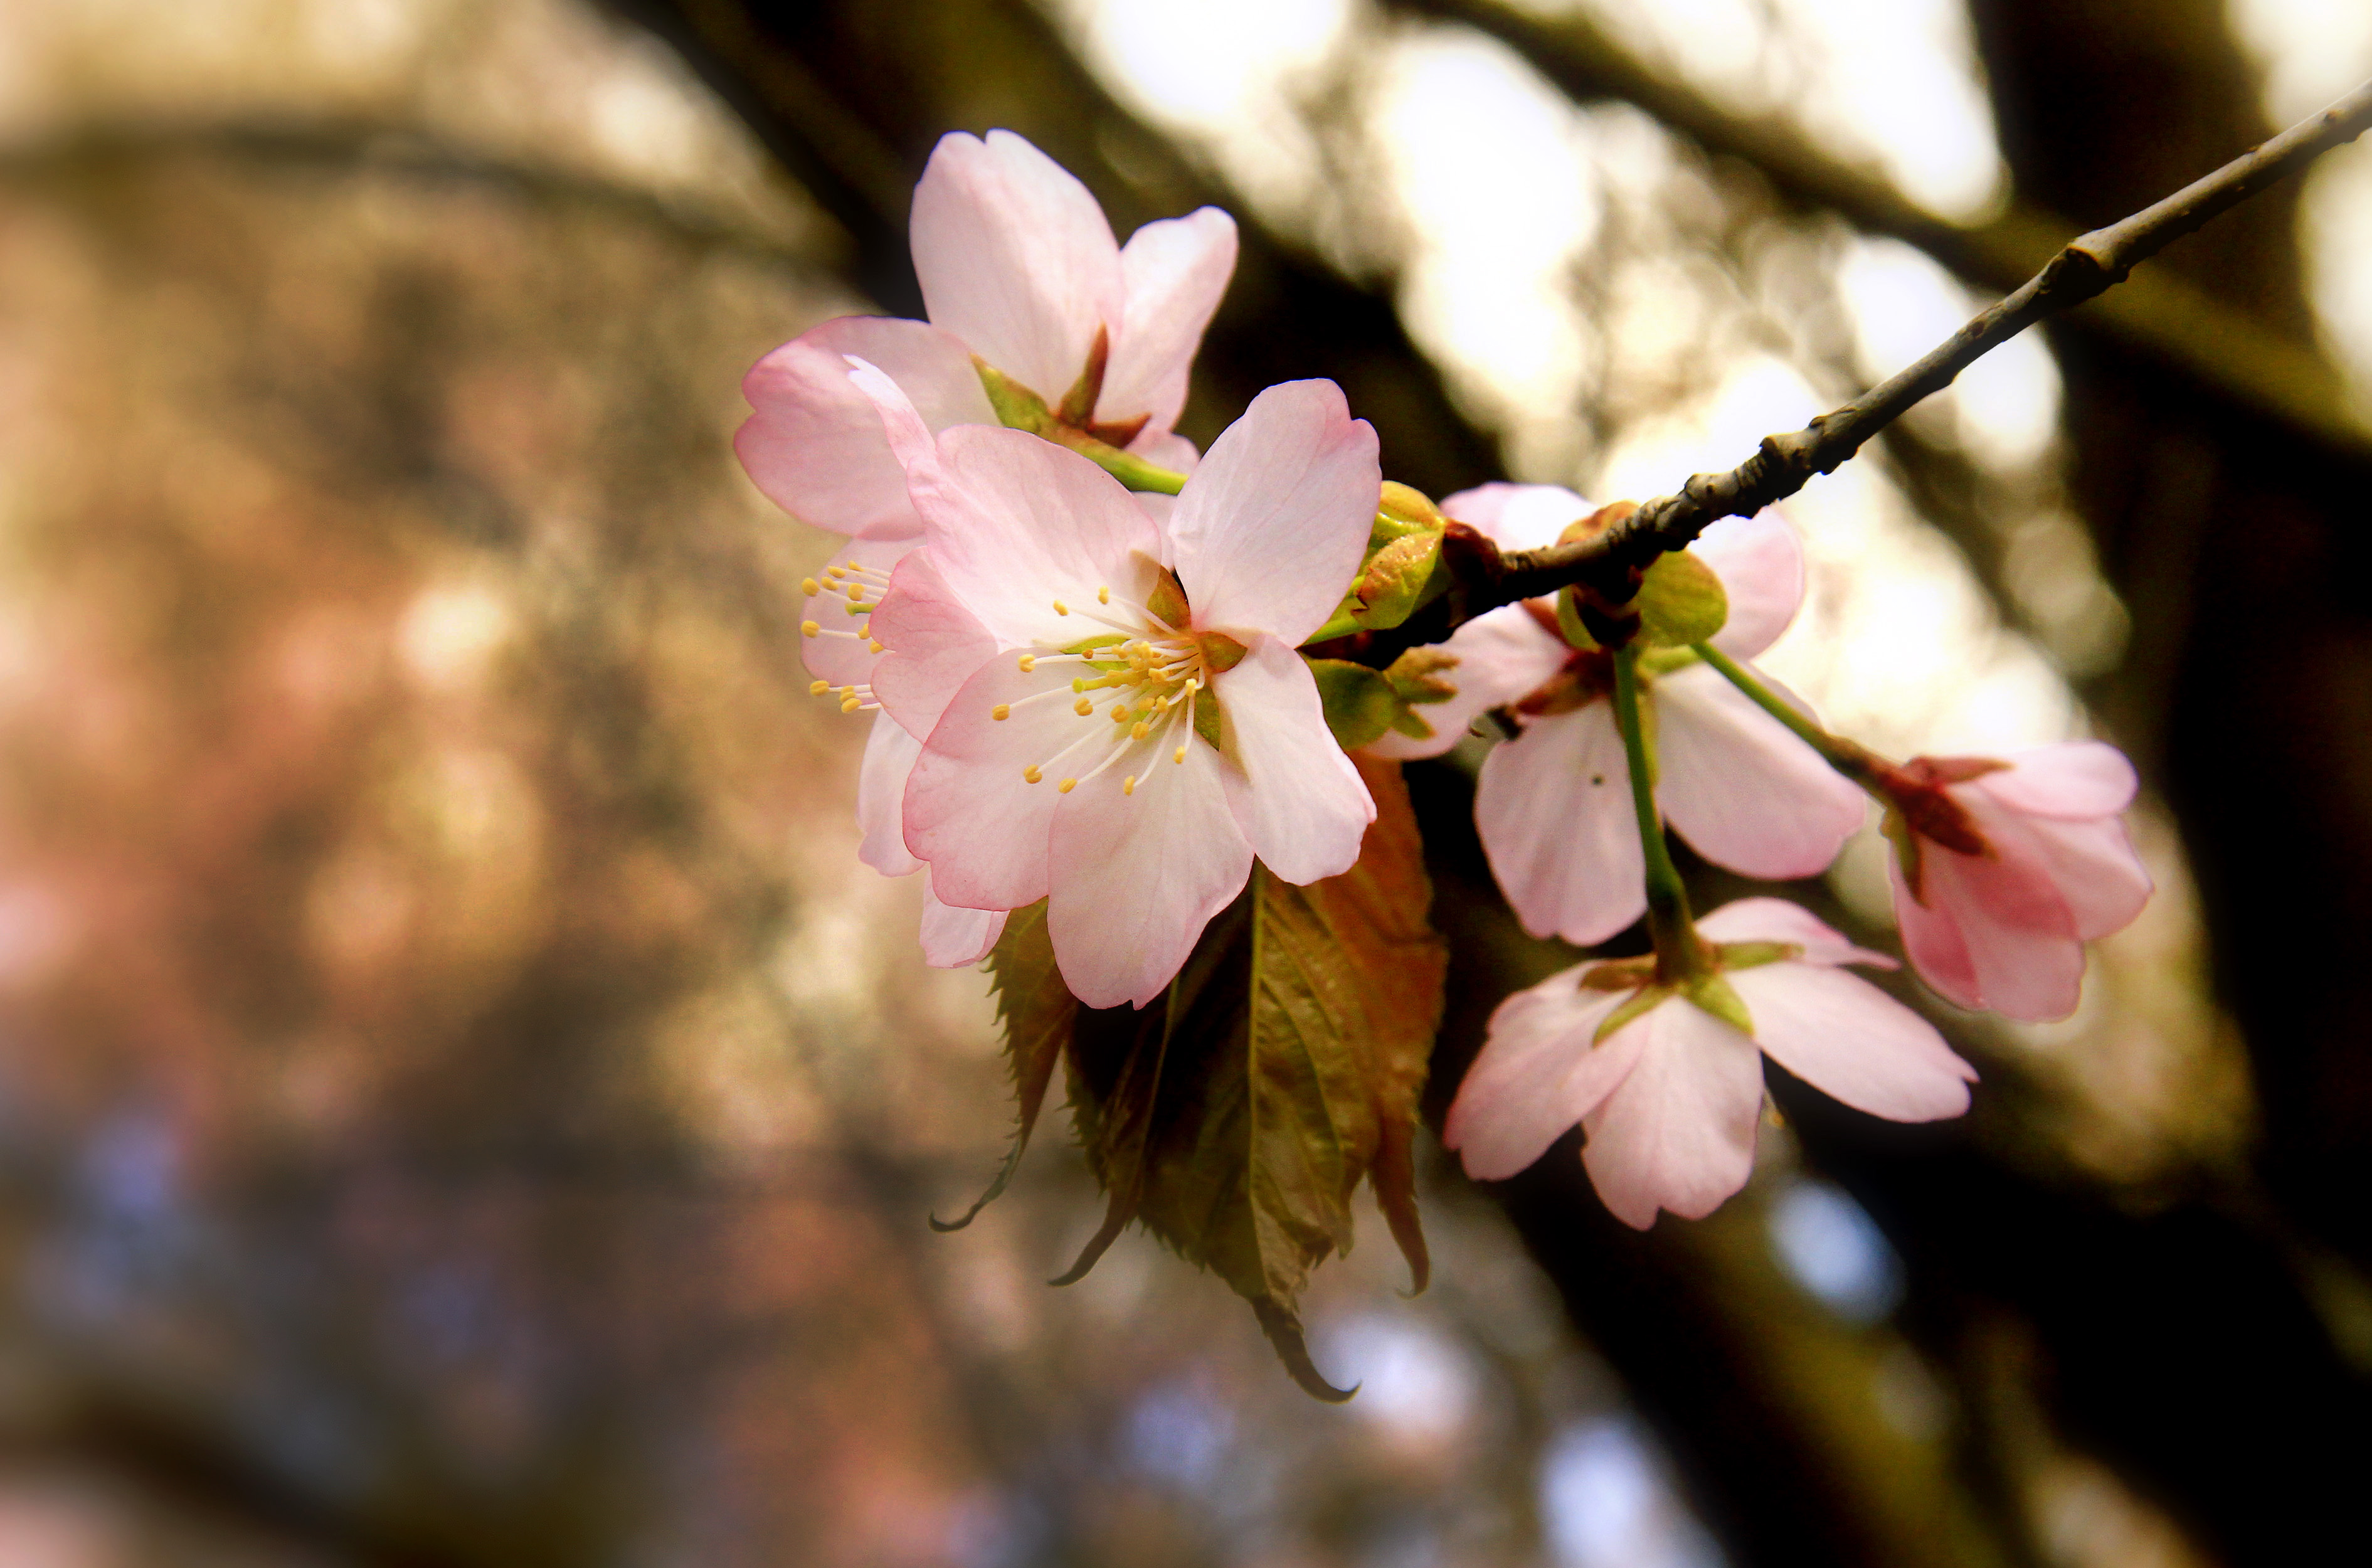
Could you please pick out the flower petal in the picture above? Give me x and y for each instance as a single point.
(2071, 780)
(814, 443)
(1851, 1041)
(1298, 798)
(1553, 807)
(889, 756)
(1502, 655)
(838, 653)
(1779, 920)
(1017, 525)
(1173, 273)
(955, 937)
(2096, 870)
(1518, 516)
(1270, 528)
(1930, 937)
(1538, 1074)
(1014, 258)
(1136, 876)
(968, 811)
(932, 643)
(1678, 1131)
(1760, 561)
(2019, 935)
(1740, 787)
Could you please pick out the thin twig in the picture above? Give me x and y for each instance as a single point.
(2088, 265)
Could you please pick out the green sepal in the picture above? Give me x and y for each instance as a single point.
(1568, 619)
(1713, 994)
(1667, 661)
(1210, 722)
(1754, 954)
(1018, 407)
(1415, 675)
(1681, 601)
(1412, 724)
(1644, 1001)
(1221, 653)
(1360, 702)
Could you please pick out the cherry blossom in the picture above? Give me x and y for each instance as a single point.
(1019, 267)
(1553, 805)
(1136, 727)
(1671, 1095)
(2008, 866)
(840, 653)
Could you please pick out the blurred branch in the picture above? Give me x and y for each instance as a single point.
(2088, 265)
(2225, 349)
(346, 145)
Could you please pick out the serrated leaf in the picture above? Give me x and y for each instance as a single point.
(1237, 1119)
(1360, 704)
(1394, 582)
(1036, 1013)
(1681, 601)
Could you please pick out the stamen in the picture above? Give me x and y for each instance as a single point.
(1139, 730)
(809, 629)
(1128, 785)
(835, 571)
(1103, 595)
(1083, 707)
(1028, 663)
(809, 587)
(1031, 774)
(849, 704)
(817, 689)
(1061, 608)
(1002, 711)
(1066, 786)
(873, 645)
(1119, 712)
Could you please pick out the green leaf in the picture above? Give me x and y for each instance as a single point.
(1394, 580)
(1036, 1013)
(1236, 1120)
(1360, 704)
(1681, 601)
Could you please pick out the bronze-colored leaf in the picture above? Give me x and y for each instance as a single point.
(1036, 1013)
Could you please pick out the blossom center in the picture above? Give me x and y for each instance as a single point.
(1134, 693)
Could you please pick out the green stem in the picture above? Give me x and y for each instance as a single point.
(1681, 953)
(1855, 761)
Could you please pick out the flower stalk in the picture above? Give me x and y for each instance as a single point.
(1681, 956)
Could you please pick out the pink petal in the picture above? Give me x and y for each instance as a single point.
(932, 643)
(1173, 273)
(1740, 787)
(1136, 878)
(1502, 655)
(968, 811)
(2096, 870)
(1538, 1074)
(1678, 1131)
(1014, 258)
(954, 938)
(2072, 780)
(1298, 800)
(838, 653)
(1760, 561)
(1778, 919)
(814, 443)
(1851, 1041)
(1932, 940)
(2019, 932)
(1165, 449)
(1553, 807)
(889, 756)
(1517, 516)
(1270, 528)
(1017, 525)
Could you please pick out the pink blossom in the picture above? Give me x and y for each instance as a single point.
(840, 652)
(1671, 1097)
(1019, 267)
(1131, 735)
(1554, 805)
(2008, 866)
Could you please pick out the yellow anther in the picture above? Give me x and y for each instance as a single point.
(1180, 756)
(1061, 608)
(1128, 785)
(1119, 712)
(836, 572)
(873, 645)
(848, 690)
(1031, 774)
(849, 704)
(810, 587)
(1028, 663)
(1103, 595)
(1139, 730)
(1002, 711)
(817, 688)
(1083, 707)
(1067, 785)
(809, 629)
(857, 609)
(1078, 683)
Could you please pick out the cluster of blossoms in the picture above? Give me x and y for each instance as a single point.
(1082, 642)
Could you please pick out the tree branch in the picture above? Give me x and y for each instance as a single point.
(2086, 267)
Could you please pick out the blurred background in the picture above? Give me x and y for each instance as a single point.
(462, 1103)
